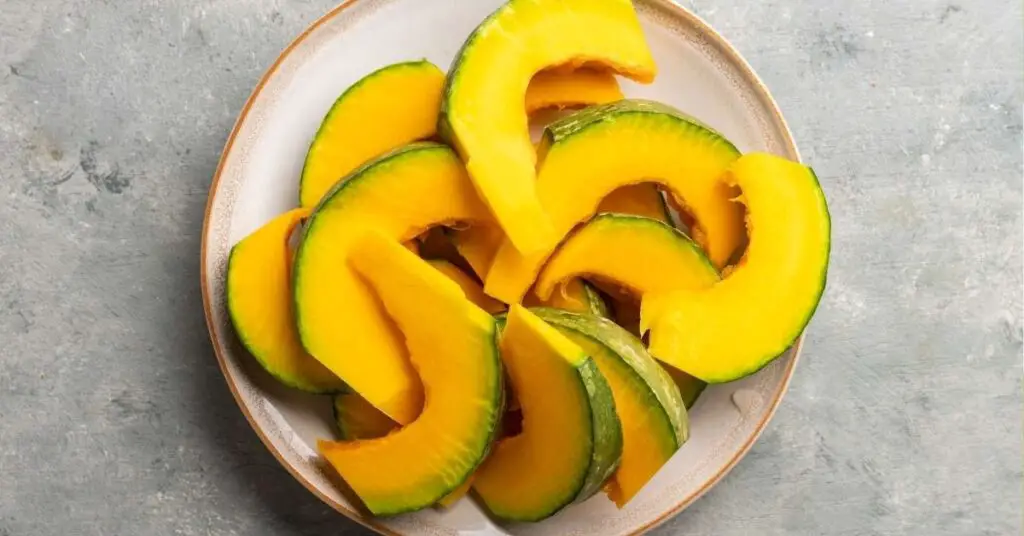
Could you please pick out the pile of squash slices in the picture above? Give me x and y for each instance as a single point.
(474, 301)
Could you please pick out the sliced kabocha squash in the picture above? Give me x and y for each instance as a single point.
(589, 154)
(473, 290)
(562, 88)
(478, 244)
(259, 296)
(632, 256)
(454, 350)
(341, 322)
(769, 297)
(653, 416)
(482, 110)
(384, 110)
(571, 439)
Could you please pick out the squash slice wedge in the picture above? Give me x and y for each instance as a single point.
(769, 297)
(571, 440)
(341, 322)
(590, 153)
(259, 298)
(455, 352)
(482, 110)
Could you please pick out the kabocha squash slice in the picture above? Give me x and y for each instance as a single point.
(473, 290)
(454, 350)
(639, 199)
(384, 110)
(571, 439)
(482, 108)
(631, 256)
(769, 297)
(341, 322)
(653, 416)
(590, 153)
(561, 88)
(259, 298)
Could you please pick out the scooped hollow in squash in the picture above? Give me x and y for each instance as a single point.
(653, 417)
(259, 297)
(574, 295)
(571, 439)
(769, 297)
(384, 110)
(341, 322)
(591, 153)
(482, 109)
(454, 350)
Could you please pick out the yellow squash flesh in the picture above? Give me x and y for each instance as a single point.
(259, 296)
(384, 110)
(597, 150)
(768, 297)
(454, 350)
(341, 322)
(570, 88)
(482, 108)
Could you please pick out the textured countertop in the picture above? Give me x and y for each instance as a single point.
(904, 416)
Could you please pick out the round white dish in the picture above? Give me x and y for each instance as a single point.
(699, 72)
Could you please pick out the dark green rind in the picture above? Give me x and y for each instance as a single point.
(607, 430)
(632, 353)
(257, 353)
(386, 510)
(336, 195)
(344, 95)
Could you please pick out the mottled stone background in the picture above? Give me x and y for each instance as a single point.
(904, 416)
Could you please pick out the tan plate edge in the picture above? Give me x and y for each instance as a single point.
(716, 39)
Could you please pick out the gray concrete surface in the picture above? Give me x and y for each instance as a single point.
(904, 417)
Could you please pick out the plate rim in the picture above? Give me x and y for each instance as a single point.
(714, 38)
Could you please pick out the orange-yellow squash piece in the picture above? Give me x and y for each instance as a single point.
(454, 351)
(769, 297)
(384, 110)
(482, 110)
(589, 154)
(571, 439)
(259, 296)
(341, 322)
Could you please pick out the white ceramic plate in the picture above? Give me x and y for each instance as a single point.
(699, 72)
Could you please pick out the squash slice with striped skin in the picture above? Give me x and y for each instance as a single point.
(454, 350)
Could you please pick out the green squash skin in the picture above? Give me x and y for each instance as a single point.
(417, 64)
(596, 304)
(630, 351)
(352, 181)
(607, 431)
